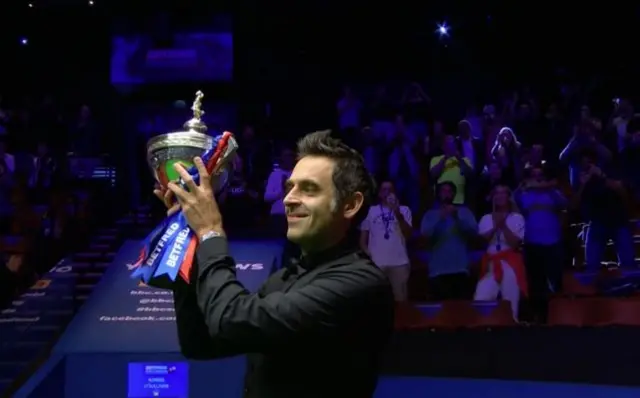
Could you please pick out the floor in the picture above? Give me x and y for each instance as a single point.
(418, 387)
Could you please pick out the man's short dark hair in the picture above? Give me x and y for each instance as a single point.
(349, 174)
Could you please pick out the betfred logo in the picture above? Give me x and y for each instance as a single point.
(250, 266)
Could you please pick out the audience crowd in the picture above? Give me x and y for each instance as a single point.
(483, 203)
(44, 212)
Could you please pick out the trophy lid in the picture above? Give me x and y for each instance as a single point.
(196, 123)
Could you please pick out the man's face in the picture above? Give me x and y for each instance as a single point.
(310, 203)
(500, 196)
(537, 174)
(445, 194)
(536, 151)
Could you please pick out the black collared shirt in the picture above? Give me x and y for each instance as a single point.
(316, 329)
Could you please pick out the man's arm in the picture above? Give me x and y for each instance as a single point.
(193, 335)
(252, 323)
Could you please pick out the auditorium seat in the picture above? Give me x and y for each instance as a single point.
(568, 311)
(616, 312)
(433, 316)
(579, 284)
(478, 314)
(407, 316)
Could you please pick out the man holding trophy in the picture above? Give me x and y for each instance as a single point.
(315, 328)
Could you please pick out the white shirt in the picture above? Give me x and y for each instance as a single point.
(387, 245)
(514, 221)
(274, 193)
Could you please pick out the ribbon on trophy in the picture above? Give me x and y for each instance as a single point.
(168, 251)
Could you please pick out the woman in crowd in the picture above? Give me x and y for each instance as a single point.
(503, 272)
(490, 178)
(506, 150)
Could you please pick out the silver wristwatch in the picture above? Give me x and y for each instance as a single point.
(209, 235)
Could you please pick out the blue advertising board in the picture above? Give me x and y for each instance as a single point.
(121, 316)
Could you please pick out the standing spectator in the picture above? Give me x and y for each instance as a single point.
(584, 139)
(503, 272)
(451, 166)
(604, 205)
(507, 151)
(415, 104)
(349, 108)
(448, 228)
(630, 158)
(541, 204)
(382, 115)
(274, 195)
(384, 235)
(404, 169)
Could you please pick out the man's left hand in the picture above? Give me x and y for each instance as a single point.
(198, 204)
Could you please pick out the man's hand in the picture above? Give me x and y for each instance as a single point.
(448, 210)
(167, 197)
(198, 204)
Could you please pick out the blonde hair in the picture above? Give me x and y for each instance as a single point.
(513, 206)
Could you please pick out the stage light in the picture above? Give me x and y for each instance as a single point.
(24, 41)
(30, 5)
(90, 2)
(443, 29)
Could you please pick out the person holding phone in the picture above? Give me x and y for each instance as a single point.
(384, 234)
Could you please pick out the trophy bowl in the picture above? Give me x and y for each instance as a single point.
(165, 150)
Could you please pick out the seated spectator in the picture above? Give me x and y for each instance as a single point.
(507, 151)
(503, 272)
(541, 204)
(451, 166)
(383, 236)
(448, 227)
(603, 201)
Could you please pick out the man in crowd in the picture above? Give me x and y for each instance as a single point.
(453, 167)
(449, 228)
(315, 329)
(541, 204)
(384, 234)
(603, 201)
(275, 193)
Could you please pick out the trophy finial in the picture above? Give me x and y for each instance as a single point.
(196, 122)
(197, 106)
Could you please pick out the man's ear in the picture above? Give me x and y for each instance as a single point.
(352, 205)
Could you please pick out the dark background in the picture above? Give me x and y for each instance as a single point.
(297, 55)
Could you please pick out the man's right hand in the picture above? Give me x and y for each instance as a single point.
(166, 196)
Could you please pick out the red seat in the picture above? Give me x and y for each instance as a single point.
(568, 311)
(616, 312)
(479, 314)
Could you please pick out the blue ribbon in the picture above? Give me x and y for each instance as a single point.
(165, 248)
